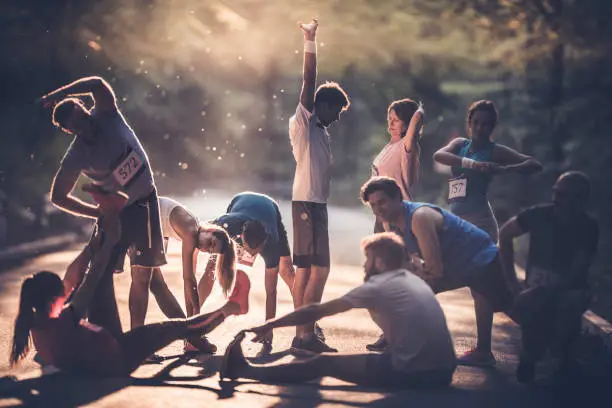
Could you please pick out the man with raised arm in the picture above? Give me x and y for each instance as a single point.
(310, 142)
(106, 150)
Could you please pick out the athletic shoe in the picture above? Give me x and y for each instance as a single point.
(379, 345)
(477, 358)
(154, 359)
(318, 331)
(296, 342)
(525, 372)
(315, 345)
(202, 346)
(38, 359)
(50, 369)
(232, 359)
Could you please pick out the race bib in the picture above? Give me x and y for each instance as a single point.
(457, 188)
(243, 257)
(129, 167)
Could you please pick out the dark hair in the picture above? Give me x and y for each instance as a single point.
(254, 233)
(579, 182)
(226, 265)
(387, 245)
(63, 111)
(37, 294)
(483, 105)
(380, 183)
(332, 94)
(404, 109)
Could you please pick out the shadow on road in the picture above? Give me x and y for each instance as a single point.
(64, 390)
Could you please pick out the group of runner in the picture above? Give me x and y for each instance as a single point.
(417, 251)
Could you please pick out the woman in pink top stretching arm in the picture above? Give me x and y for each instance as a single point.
(399, 159)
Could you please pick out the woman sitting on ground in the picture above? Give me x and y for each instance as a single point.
(72, 344)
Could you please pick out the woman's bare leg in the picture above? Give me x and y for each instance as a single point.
(143, 341)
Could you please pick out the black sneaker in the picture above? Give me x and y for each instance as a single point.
(525, 372)
(296, 342)
(315, 345)
(379, 345)
(318, 331)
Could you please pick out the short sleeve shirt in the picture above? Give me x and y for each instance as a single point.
(411, 318)
(554, 243)
(114, 153)
(253, 207)
(398, 163)
(311, 145)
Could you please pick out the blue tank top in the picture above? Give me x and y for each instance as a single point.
(465, 248)
(475, 200)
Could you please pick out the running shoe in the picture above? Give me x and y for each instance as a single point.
(315, 345)
(318, 331)
(477, 358)
(525, 372)
(379, 345)
(202, 346)
(154, 359)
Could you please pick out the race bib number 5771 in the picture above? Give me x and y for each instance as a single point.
(128, 168)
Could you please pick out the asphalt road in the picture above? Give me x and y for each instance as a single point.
(196, 383)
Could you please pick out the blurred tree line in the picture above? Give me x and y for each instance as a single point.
(209, 88)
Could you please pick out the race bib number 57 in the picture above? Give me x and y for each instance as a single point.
(129, 167)
(457, 188)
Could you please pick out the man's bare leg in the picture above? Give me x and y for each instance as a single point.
(314, 290)
(165, 299)
(346, 367)
(299, 288)
(287, 272)
(139, 295)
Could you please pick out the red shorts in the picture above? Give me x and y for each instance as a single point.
(240, 294)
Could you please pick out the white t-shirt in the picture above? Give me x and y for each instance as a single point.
(310, 142)
(396, 162)
(411, 318)
(166, 205)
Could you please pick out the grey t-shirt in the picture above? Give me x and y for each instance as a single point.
(411, 318)
(115, 160)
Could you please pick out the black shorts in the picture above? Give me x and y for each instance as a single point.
(310, 234)
(491, 284)
(488, 281)
(380, 368)
(274, 249)
(141, 235)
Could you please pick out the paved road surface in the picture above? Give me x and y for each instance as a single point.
(196, 383)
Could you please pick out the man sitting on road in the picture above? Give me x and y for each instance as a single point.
(444, 250)
(420, 352)
(562, 245)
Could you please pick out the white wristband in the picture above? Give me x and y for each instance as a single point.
(467, 163)
(310, 46)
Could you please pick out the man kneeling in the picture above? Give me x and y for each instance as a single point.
(420, 352)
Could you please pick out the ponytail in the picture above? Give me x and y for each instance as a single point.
(226, 264)
(37, 293)
(23, 322)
